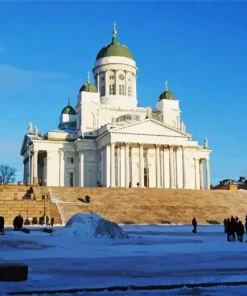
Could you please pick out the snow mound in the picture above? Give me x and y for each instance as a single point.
(91, 225)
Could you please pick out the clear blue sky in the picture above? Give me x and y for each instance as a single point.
(47, 48)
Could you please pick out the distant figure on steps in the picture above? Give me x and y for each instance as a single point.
(194, 224)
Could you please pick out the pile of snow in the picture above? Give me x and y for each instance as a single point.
(91, 225)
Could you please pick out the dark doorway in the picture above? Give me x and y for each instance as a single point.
(146, 177)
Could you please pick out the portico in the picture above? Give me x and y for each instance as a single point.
(150, 165)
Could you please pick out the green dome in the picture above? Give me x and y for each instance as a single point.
(69, 110)
(114, 49)
(167, 95)
(89, 87)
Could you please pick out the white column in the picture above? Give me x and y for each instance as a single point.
(116, 82)
(107, 166)
(141, 176)
(176, 165)
(127, 165)
(125, 82)
(201, 174)
(61, 168)
(134, 90)
(171, 163)
(164, 169)
(157, 165)
(35, 163)
(122, 166)
(81, 169)
(102, 166)
(97, 77)
(196, 170)
(113, 165)
(31, 169)
(106, 84)
(207, 174)
(184, 169)
(118, 166)
(35, 167)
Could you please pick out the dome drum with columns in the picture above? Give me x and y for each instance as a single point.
(107, 139)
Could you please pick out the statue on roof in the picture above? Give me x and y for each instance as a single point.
(88, 77)
(205, 143)
(30, 128)
(113, 120)
(36, 132)
(183, 127)
(114, 30)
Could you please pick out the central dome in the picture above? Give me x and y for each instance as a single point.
(114, 49)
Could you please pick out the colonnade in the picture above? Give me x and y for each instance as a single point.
(160, 166)
(170, 167)
(107, 82)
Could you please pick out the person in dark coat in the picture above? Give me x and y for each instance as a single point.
(240, 231)
(225, 225)
(1, 225)
(194, 224)
(52, 221)
(233, 229)
(229, 229)
(20, 222)
(15, 223)
(246, 224)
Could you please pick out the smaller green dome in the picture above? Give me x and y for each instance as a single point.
(167, 95)
(88, 86)
(69, 110)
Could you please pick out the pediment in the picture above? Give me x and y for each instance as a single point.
(150, 127)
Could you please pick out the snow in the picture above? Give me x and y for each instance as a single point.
(78, 256)
(91, 225)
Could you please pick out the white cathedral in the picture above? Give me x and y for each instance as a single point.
(108, 140)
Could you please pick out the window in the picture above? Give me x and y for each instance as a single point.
(102, 90)
(102, 78)
(121, 89)
(129, 91)
(111, 77)
(70, 160)
(112, 89)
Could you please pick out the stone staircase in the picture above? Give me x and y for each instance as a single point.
(12, 203)
(141, 205)
(126, 205)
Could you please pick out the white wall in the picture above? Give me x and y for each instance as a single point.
(170, 112)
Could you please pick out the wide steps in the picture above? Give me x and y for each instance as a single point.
(138, 205)
(152, 205)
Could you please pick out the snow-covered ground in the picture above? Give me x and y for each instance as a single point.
(152, 255)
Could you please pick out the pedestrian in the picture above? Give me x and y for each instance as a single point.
(194, 224)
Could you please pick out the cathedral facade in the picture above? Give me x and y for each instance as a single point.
(108, 140)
